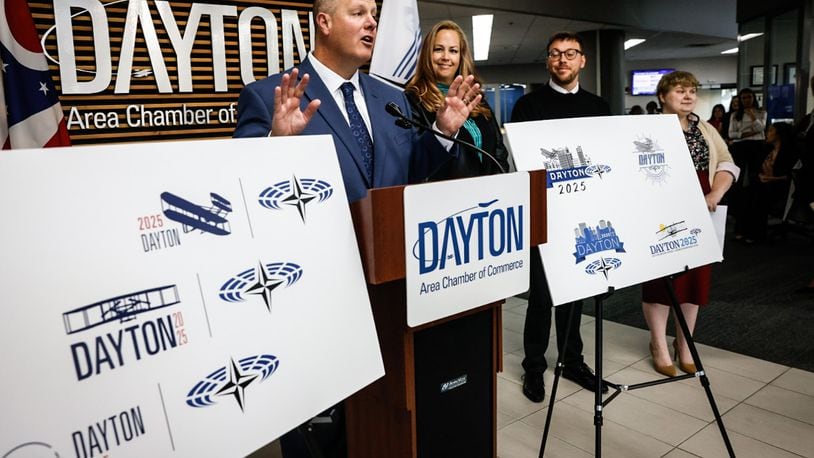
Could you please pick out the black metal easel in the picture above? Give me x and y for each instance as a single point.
(618, 389)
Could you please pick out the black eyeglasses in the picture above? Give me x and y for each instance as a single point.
(569, 54)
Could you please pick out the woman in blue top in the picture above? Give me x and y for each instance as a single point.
(445, 54)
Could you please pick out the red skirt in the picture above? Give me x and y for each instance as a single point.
(690, 287)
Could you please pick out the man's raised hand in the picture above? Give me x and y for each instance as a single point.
(288, 118)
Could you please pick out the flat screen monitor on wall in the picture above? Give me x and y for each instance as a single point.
(646, 81)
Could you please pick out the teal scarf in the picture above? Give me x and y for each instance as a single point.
(469, 124)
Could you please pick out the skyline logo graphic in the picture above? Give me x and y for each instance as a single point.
(297, 193)
(651, 160)
(198, 217)
(232, 380)
(122, 308)
(260, 281)
(593, 240)
(674, 237)
(562, 166)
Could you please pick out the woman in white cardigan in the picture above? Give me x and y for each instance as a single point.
(716, 172)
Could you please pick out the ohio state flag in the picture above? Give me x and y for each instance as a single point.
(30, 114)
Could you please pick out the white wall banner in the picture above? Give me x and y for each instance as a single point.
(624, 202)
(177, 298)
(466, 244)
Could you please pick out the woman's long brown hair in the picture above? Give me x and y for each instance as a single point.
(423, 83)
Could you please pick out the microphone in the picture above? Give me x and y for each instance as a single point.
(404, 122)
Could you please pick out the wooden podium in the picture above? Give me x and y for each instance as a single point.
(382, 418)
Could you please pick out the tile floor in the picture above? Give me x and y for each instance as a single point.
(768, 409)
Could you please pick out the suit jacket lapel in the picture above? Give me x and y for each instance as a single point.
(331, 114)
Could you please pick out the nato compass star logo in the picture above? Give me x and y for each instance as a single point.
(232, 380)
(297, 193)
(603, 266)
(260, 281)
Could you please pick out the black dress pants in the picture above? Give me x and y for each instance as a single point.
(537, 329)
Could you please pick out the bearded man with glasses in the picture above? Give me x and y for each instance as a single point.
(560, 98)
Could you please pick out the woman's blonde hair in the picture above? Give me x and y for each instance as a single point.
(673, 79)
(423, 83)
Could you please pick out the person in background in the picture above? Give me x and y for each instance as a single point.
(445, 54)
(772, 183)
(746, 133)
(652, 107)
(636, 110)
(716, 119)
(561, 98)
(677, 92)
(804, 130)
(734, 104)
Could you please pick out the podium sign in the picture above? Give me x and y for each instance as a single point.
(192, 298)
(466, 244)
(624, 201)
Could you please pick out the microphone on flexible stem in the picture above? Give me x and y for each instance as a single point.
(405, 123)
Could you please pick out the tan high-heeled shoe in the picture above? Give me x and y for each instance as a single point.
(669, 371)
(686, 367)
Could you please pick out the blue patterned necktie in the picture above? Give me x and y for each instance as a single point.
(359, 130)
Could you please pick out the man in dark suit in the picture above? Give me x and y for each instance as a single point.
(560, 98)
(328, 95)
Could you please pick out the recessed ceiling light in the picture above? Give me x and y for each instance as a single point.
(481, 35)
(633, 42)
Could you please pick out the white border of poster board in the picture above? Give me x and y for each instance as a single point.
(202, 297)
(624, 202)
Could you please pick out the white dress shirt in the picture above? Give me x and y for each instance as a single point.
(334, 83)
(561, 89)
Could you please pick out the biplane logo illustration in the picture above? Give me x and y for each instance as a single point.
(674, 237)
(210, 219)
(134, 339)
(594, 240)
(297, 193)
(566, 172)
(232, 380)
(651, 160)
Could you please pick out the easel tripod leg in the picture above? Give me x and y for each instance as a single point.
(682, 323)
(598, 300)
(557, 372)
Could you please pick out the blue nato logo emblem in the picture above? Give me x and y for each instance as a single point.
(297, 193)
(651, 160)
(567, 173)
(674, 237)
(209, 219)
(468, 235)
(594, 240)
(135, 338)
(232, 380)
(260, 281)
